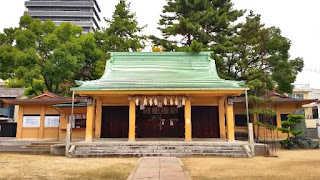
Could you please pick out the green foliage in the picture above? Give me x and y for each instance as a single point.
(266, 125)
(284, 130)
(289, 123)
(202, 22)
(41, 56)
(122, 33)
(247, 51)
(295, 118)
(260, 57)
(255, 99)
(259, 123)
(295, 133)
(264, 111)
(196, 46)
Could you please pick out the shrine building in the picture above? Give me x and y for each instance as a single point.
(160, 95)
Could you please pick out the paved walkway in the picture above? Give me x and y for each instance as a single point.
(159, 168)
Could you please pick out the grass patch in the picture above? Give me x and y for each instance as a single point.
(117, 172)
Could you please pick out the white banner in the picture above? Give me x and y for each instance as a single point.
(31, 121)
(51, 121)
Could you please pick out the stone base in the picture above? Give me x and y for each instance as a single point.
(58, 150)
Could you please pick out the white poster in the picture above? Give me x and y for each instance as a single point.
(31, 121)
(51, 121)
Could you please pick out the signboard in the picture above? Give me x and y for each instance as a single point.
(51, 121)
(31, 121)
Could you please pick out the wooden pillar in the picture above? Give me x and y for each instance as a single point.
(42, 115)
(98, 117)
(187, 117)
(222, 123)
(90, 122)
(132, 121)
(230, 122)
(20, 122)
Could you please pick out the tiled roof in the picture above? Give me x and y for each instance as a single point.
(36, 101)
(45, 98)
(281, 98)
(49, 94)
(11, 92)
(160, 71)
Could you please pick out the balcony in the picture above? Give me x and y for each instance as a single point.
(58, 4)
(7, 112)
(78, 23)
(59, 14)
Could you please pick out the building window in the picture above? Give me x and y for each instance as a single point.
(272, 120)
(241, 120)
(315, 113)
(79, 120)
(297, 96)
(284, 117)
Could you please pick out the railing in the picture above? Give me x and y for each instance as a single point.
(7, 112)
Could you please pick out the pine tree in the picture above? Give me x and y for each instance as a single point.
(203, 22)
(122, 35)
(261, 58)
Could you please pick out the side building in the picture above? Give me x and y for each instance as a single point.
(304, 91)
(9, 112)
(84, 13)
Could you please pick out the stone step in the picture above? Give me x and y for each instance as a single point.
(159, 154)
(160, 145)
(36, 147)
(162, 149)
(47, 143)
(159, 151)
(157, 148)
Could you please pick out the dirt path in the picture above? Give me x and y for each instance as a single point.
(301, 164)
(17, 166)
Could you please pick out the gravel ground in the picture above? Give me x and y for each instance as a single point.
(298, 164)
(18, 166)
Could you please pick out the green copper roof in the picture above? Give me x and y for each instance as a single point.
(159, 71)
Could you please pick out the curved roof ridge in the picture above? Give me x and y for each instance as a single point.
(161, 71)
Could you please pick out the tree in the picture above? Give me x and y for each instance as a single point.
(287, 125)
(261, 58)
(40, 56)
(122, 35)
(199, 22)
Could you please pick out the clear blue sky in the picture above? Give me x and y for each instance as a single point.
(297, 19)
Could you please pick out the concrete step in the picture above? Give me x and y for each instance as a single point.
(159, 145)
(159, 154)
(100, 151)
(24, 150)
(35, 147)
(160, 151)
(157, 148)
(47, 143)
